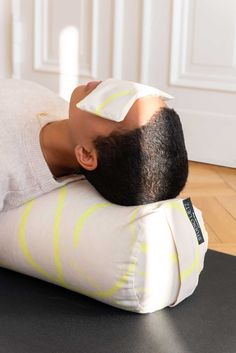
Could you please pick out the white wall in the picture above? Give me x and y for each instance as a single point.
(186, 47)
(5, 38)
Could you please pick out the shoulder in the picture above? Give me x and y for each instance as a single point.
(27, 97)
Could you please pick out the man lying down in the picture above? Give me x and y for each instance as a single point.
(120, 135)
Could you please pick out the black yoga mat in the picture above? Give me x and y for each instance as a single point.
(39, 317)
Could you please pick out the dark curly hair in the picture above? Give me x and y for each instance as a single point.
(143, 165)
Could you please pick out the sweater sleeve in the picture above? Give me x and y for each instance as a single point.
(24, 173)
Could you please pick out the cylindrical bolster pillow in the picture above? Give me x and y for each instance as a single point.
(141, 258)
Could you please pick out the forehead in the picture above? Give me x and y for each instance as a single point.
(142, 111)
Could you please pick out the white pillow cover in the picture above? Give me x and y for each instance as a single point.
(140, 259)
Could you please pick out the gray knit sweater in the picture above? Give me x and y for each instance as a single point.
(25, 107)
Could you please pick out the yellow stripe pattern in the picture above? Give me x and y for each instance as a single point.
(56, 234)
(23, 243)
(118, 285)
(193, 267)
(83, 218)
(178, 206)
(131, 268)
(111, 98)
(97, 292)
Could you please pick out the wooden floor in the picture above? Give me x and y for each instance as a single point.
(213, 190)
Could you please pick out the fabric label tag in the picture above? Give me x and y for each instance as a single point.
(193, 219)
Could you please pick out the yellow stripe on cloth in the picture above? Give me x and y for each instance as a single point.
(118, 285)
(178, 206)
(174, 258)
(56, 234)
(131, 268)
(111, 98)
(194, 266)
(144, 247)
(23, 243)
(83, 218)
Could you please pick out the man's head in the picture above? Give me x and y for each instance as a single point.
(139, 160)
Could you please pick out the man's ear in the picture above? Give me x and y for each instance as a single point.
(87, 159)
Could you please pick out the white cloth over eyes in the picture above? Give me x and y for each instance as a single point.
(113, 98)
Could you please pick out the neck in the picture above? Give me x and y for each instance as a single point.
(58, 149)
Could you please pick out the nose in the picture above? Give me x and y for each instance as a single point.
(92, 85)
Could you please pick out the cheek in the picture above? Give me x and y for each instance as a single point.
(84, 126)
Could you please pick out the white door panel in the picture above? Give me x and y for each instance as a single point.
(203, 76)
(186, 47)
(5, 38)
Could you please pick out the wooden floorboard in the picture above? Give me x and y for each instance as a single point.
(227, 174)
(213, 190)
(229, 203)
